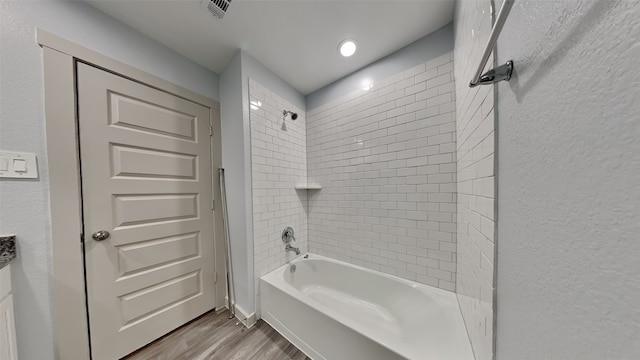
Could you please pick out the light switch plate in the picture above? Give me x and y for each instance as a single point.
(27, 166)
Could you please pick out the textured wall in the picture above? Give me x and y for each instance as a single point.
(475, 129)
(569, 189)
(24, 205)
(278, 163)
(385, 159)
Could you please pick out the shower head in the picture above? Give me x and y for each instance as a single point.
(293, 115)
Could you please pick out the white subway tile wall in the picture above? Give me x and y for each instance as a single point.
(278, 163)
(386, 161)
(475, 127)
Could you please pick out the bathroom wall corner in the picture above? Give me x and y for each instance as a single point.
(475, 129)
(237, 160)
(234, 158)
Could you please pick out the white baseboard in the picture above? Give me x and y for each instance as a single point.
(247, 319)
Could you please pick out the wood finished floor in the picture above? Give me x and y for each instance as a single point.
(214, 336)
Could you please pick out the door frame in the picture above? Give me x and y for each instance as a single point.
(71, 328)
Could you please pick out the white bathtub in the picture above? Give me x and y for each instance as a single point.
(337, 311)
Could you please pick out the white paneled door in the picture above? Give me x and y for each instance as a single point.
(147, 202)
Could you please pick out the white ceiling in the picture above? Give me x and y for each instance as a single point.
(297, 40)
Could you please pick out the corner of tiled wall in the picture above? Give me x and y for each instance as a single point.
(475, 124)
(385, 159)
(278, 163)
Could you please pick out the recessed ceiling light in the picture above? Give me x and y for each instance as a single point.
(347, 47)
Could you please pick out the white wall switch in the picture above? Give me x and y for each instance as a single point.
(18, 165)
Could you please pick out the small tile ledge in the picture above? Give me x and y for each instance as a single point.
(308, 187)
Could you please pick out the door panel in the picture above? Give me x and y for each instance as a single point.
(146, 178)
(153, 253)
(131, 161)
(137, 114)
(131, 210)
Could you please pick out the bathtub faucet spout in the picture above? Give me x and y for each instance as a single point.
(291, 248)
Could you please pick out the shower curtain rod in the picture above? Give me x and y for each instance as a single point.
(502, 72)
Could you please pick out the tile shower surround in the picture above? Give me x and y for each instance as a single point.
(475, 129)
(278, 163)
(386, 160)
(405, 185)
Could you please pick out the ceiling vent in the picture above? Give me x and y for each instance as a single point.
(216, 8)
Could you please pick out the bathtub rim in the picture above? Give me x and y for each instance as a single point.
(275, 278)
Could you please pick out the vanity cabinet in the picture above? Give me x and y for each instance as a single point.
(8, 348)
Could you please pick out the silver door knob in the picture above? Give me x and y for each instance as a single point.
(100, 235)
